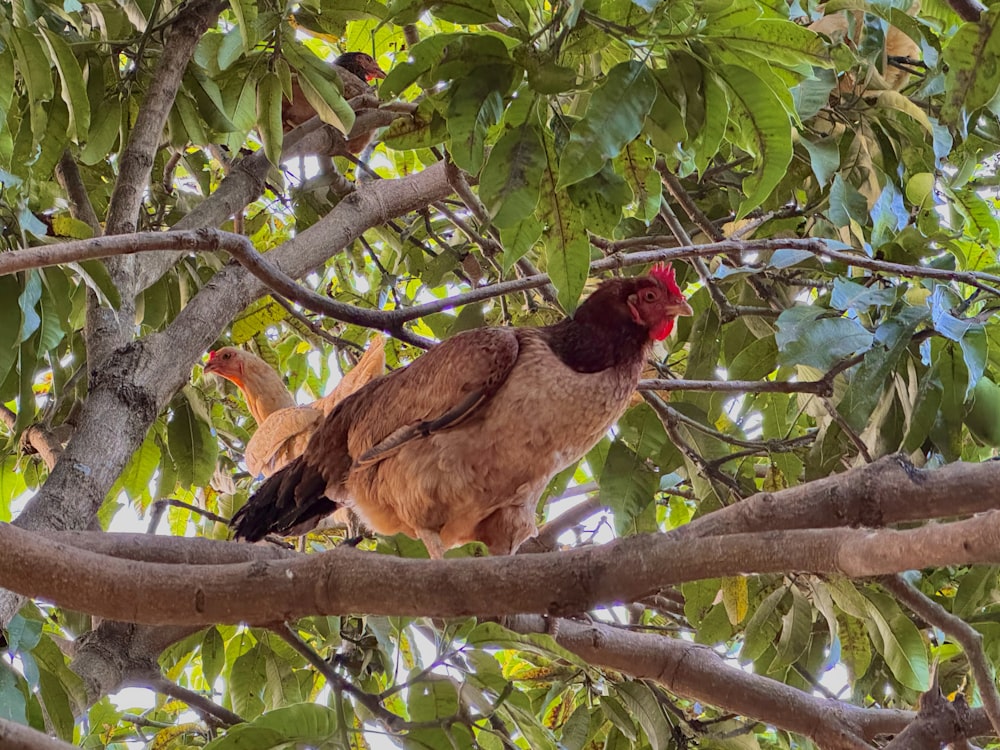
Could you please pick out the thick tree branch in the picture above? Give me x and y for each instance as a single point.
(699, 673)
(14, 736)
(347, 580)
(144, 138)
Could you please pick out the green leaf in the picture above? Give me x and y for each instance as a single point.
(847, 295)
(34, 67)
(256, 319)
(326, 98)
(6, 82)
(56, 700)
(763, 627)
(618, 716)
(979, 223)
(796, 628)
(855, 646)
(601, 198)
(32, 293)
(213, 655)
(518, 240)
(211, 106)
(422, 57)
(975, 590)
(12, 703)
(644, 706)
(494, 634)
(972, 76)
(568, 262)
(139, 472)
(424, 128)
(847, 203)
(95, 275)
(434, 697)
(104, 127)
(805, 338)
(269, 94)
(777, 41)
(628, 487)
(868, 382)
(509, 185)
(192, 445)
(764, 131)
(476, 105)
(73, 88)
(468, 12)
(636, 164)
(613, 119)
(898, 640)
(246, 21)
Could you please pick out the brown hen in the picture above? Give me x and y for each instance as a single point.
(355, 70)
(459, 445)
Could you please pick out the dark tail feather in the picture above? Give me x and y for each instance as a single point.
(290, 502)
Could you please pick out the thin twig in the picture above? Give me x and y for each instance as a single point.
(164, 501)
(726, 312)
(318, 330)
(371, 702)
(198, 702)
(851, 433)
(821, 387)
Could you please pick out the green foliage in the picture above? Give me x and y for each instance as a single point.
(564, 118)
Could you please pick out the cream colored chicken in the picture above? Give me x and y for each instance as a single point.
(283, 428)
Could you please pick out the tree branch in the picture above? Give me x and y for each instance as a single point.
(206, 708)
(347, 580)
(144, 138)
(68, 175)
(698, 673)
(14, 736)
(36, 436)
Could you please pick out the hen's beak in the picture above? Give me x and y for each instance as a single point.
(372, 70)
(210, 366)
(681, 309)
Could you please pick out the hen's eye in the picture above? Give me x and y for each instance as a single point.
(649, 296)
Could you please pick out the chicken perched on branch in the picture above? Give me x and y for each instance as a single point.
(459, 445)
(283, 429)
(356, 71)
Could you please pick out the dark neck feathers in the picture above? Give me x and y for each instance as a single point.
(601, 334)
(349, 62)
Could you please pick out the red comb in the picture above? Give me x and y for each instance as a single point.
(664, 273)
(211, 356)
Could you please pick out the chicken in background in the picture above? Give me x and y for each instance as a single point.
(356, 71)
(459, 445)
(283, 428)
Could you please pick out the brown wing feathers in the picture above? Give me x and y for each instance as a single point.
(437, 391)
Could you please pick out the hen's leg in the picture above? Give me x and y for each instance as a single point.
(505, 529)
(432, 541)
